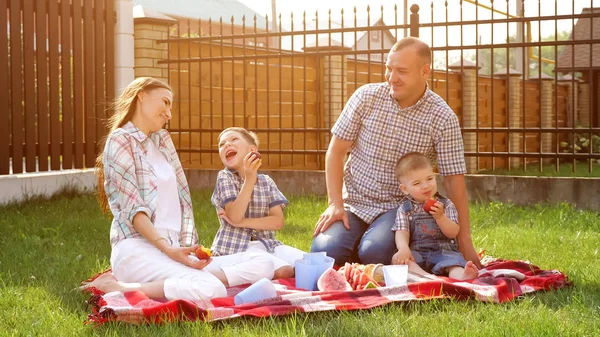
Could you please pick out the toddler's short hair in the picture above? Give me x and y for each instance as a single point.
(410, 162)
(248, 136)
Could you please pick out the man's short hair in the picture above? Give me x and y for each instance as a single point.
(410, 162)
(421, 47)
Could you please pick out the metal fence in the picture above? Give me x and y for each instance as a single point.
(290, 85)
(56, 61)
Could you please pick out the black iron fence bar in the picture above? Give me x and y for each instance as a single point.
(564, 155)
(289, 33)
(560, 155)
(532, 129)
(270, 129)
(265, 152)
(390, 27)
(377, 51)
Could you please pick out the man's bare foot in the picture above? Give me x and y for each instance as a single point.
(105, 283)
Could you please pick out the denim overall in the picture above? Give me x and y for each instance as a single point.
(431, 249)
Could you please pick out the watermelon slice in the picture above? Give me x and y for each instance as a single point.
(331, 280)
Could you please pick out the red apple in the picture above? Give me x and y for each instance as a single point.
(203, 253)
(428, 204)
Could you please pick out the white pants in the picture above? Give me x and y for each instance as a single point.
(282, 256)
(139, 261)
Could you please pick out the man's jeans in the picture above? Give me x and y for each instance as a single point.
(363, 243)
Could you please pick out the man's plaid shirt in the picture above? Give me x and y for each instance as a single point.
(381, 133)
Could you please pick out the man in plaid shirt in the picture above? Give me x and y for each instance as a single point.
(380, 123)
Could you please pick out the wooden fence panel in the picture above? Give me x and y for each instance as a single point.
(29, 86)
(274, 96)
(42, 86)
(17, 92)
(65, 79)
(4, 92)
(78, 95)
(48, 104)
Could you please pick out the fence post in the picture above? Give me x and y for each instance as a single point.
(572, 98)
(124, 51)
(334, 89)
(414, 20)
(583, 116)
(469, 108)
(546, 113)
(149, 28)
(515, 113)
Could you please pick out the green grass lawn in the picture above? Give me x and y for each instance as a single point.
(48, 247)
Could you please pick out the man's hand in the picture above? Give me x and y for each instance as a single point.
(403, 256)
(332, 214)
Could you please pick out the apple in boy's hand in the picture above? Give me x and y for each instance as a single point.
(203, 253)
(428, 204)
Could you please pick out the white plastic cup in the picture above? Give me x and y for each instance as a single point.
(306, 274)
(395, 275)
(260, 290)
(315, 256)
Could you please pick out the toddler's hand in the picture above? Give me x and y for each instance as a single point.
(437, 210)
(402, 256)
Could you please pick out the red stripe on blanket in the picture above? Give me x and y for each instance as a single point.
(498, 282)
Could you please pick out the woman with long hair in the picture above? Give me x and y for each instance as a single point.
(141, 182)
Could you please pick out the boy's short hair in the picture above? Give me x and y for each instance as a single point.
(410, 162)
(248, 136)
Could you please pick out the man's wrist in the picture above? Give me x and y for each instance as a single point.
(337, 202)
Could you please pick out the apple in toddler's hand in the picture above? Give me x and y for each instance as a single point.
(428, 204)
(203, 253)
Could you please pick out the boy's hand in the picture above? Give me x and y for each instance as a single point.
(403, 256)
(252, 162)
(223, 215)
(437, 210)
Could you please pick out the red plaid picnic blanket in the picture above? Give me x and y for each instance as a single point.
(499, 281)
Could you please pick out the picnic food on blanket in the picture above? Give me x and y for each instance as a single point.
(331, 280)
(356, 276)
(203, 253)
(428, 204)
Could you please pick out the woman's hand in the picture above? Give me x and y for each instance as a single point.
(182, 255)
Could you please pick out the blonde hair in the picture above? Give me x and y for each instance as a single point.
(248, 136)
(124, 108)
(410, 162)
